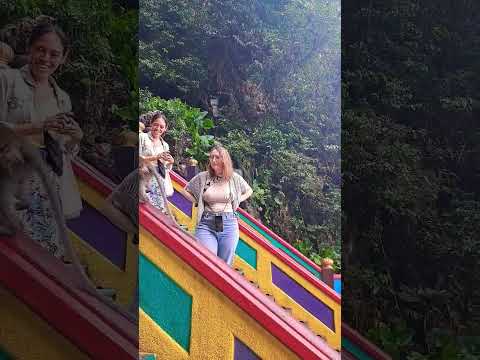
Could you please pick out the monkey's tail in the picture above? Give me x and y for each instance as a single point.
(59, 217)
(54, 200)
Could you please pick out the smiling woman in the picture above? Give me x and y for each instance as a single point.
(48, 50)
(35, 107)
(218, 193)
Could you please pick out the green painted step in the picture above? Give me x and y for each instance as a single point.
(4, 355)
(165, 302)
(354, 350)
(148, 357)
(247, 253)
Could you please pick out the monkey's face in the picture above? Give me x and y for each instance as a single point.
(11, 157)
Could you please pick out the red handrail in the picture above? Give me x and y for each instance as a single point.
(363, 343)
(278, 253)
(44, 284)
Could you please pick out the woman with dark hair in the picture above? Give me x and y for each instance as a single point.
(218, 193)
(155, 151)
(35, 107)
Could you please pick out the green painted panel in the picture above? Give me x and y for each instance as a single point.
(247, 253)
(149, 357)
(4, 355)
(278, 245)
(165, 302)
(354, 350)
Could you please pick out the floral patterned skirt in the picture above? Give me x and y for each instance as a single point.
(38, 219)
(154, 194)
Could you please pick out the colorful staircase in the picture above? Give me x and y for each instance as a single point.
(45, 317)
(272, 305)
(39, 304)
(193, 306)
(110, 254)
(286, 276)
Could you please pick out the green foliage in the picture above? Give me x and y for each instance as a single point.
(100, 74)
(410, 195)
(275, 68)
(125, 26)
(200, 144)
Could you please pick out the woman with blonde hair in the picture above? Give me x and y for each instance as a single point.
(218, 193)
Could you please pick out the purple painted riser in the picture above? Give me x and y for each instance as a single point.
(242, 352)
(95, 229)
(181, 203)
(309, 302)
(316, 307)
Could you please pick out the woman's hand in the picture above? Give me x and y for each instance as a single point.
(54, 123)
(166, 157)
(188, 195)
(71, 127)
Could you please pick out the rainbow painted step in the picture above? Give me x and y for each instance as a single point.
(147, 357)
(251, 262)
(40, 304)
(109, 253)
(227, 317)
(277, 269)
(95, 184)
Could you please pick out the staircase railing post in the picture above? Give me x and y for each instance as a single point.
(327, 272)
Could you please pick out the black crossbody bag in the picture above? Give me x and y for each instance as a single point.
(218, 219)
(54, 153)
(161, 169)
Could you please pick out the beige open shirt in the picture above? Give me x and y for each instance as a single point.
(17, 104)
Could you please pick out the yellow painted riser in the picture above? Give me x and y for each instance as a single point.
(103, 272)
(26, 336)
(215, 319)
(263, 277)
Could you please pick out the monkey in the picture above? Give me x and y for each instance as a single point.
(18, 160)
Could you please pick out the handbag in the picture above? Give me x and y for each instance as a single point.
(161, 169)
(69, 191)
(168, 184)
(54, 153)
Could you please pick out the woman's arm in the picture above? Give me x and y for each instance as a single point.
(51, 123)
(27, 129)
(149, 158)
(246, 195)
(245, 189)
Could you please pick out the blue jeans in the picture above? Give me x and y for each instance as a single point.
(222, 244)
